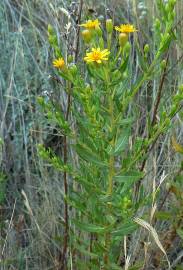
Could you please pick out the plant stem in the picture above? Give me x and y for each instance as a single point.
(158, 99)
(110, 181)
(63, 255)
(111, 160)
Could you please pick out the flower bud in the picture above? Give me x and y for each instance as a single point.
(167, 9)
(87, 36)
(123, 38)
(125, 199)
(163, 64)
(50, 29)
(172, 2)
(125, 75)
(157, 24)
(173, 14)
(52, 40)
(70, 59)
(88, 89)
(164, 115)
(109, 26)
(171, 5)
(40, 100)
(146, 48)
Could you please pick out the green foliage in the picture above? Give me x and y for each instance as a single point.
(86, 175)
(107, 166)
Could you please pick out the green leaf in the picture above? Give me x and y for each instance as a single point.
(90, 227)
(83, 250)
(125, 229)
(124, 65)
(94, 73)
(128, 178)
(77, 203)
(84, 182)
(121, 143)
(126, 121)
(141, 60)
(164, 43)
(85, 153)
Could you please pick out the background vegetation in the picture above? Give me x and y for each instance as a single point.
(31, 202)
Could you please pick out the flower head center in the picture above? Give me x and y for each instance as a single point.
(97, 55)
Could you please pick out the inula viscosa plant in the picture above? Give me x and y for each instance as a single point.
(102, 177)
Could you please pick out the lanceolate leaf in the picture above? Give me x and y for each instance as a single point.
(86, 252)
(90, 227)
(121, 143)
(125, 229)
(128, 179)
(85, 153)
(124, 65)
(126, 121)
(131, 177)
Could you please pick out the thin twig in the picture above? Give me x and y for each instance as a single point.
(78, 21)
(159, 92)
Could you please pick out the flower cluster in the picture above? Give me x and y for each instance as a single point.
(98, 55)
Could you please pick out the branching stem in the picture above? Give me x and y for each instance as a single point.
(110, 180)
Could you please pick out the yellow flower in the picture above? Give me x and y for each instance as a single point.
(125, 28)
(91, 24)
(59, 63)
(96, 55)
